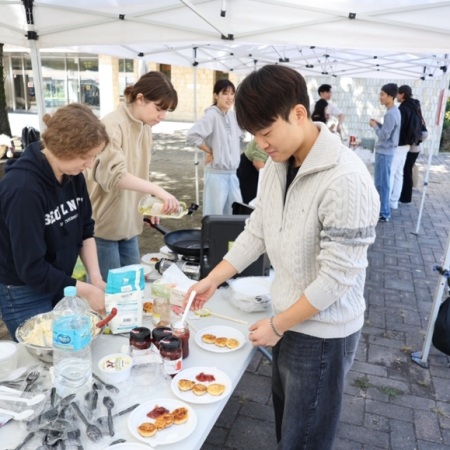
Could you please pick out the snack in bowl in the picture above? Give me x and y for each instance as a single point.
(154, 260)
(185, 385)
(199, 389)
(147, 429)
(232, 343)
(164, 421)
(208, 338)
(148, 307)
(216, 389)
(180, 415)
(221, 341)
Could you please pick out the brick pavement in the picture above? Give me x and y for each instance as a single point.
(389, 402)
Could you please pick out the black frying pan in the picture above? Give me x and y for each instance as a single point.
(182, 242)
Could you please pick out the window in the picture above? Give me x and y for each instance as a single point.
(89, 82)
(218, 75)
(166, 69)
(126, 74)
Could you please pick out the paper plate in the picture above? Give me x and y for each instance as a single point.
(170, 435)
(220, 331)
(190, 374)
(147, 259)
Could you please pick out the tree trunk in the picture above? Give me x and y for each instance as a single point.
(4, 120)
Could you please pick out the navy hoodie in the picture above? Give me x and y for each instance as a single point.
(43, 223)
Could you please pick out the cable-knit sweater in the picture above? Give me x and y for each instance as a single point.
(317, 240)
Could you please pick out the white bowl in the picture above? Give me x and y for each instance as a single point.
(115, 368)
(8, 357)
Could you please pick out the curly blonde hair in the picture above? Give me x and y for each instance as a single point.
(73, 131)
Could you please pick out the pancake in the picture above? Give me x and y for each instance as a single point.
(216, 389)
(221, 341)
(146, 429)
(232, 343)
(199, 389)
(185, 385)
(164, 421)
(180, 415)
(208, 338)
(148, 307)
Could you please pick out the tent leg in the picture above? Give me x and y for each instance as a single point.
(431, 150)
(37, 80)
(197, 190)
(422, 356)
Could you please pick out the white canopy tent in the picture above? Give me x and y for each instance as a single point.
(340, 37)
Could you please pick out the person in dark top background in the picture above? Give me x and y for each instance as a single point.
(45, 218)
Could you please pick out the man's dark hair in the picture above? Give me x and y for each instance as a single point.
(269, 93)
(405, 90)
(318, 114)
(324, 88)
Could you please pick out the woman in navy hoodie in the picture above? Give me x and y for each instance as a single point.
(45, 218)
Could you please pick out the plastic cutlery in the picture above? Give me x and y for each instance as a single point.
(17, 416)
(29, 401)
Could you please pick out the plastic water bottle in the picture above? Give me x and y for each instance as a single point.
(72, 360)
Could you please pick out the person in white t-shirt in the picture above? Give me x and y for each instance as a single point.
(325, 93)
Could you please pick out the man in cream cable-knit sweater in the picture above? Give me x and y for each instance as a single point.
(315, 217)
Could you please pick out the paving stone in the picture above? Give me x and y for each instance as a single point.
(251, 434)
(389, 410)
(388, 382)
(399, 285)
(217, 436)
(446, 436)
(441, 388)
(229, 413)
(375, 422)
(364, 435)
(254, 387)
(383, 356)
(344, 444)
(353, 410)
(412, 401)
(427, 426)
(258, 411)
(385, 342)
(422, 445)
(440, 372)
(402, 435)
(254, 363)
(374, 393)
(368, 368)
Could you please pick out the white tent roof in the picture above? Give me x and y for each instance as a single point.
(352, 38)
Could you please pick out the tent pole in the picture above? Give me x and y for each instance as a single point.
(35, 62)
(197, 191)
(421, 357)
(431, 149)
(38, 85)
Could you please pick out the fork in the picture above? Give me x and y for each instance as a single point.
(31, 379)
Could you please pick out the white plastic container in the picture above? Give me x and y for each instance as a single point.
(250, 293)
(115, 368)
(8, 357)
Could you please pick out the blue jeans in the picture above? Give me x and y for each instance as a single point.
(383, 182)
(220, 191)
(115, 254)
(307, 386)
(19, 303)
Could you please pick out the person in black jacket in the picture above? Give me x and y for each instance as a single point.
(45, 218)
(410, 133)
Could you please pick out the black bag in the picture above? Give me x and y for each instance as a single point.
(441, 334)
(29, 135)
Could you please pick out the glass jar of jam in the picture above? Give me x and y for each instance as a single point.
(161, 311)
(181, 330)
(140, 338)
(171, 354)
(159, 333)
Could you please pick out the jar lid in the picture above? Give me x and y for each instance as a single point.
(159, 333)
(170, 343)
(140, 334)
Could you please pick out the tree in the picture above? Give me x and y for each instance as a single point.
(4, 120)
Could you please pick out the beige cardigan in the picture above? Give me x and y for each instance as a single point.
(115, 210)
(317, 241)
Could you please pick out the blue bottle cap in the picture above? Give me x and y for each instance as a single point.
(70, 291)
